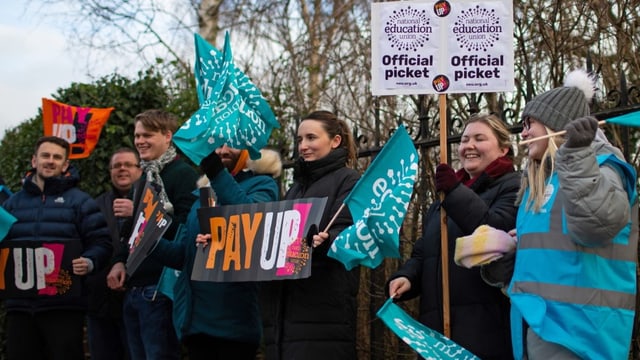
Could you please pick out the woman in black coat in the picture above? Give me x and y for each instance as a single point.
(315, 318)
(482, 192)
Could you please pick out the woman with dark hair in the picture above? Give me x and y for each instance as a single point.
(315, 318)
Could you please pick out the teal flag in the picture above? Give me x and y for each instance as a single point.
(378, 205)
(232, 109)
(6, 221)
(427, 342)
(628, 119)
(167, 281)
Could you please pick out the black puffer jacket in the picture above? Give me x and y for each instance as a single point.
(61, 212)
(479, 313)
(315, 318)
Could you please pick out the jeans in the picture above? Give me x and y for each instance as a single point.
(149, 325)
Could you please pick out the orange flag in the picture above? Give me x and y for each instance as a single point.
(80, 126)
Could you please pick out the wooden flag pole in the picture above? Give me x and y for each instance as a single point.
(334, 218)
(557, 133)
(444, 235)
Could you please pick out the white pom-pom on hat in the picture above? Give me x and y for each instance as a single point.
(583, 81)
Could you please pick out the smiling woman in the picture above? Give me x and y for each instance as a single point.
(301, 318)
(482, 143)
(483, 192)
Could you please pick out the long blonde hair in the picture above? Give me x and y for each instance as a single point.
(537, 172)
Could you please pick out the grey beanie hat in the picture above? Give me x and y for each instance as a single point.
(556, 108)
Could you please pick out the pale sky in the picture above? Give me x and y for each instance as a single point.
(34, 62)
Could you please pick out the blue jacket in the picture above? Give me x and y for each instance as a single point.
(568, 289)
(60, 212)
(223, 310)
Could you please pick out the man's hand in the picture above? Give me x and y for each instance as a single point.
(203, 239)
(122, 207)
(82, 266)
(117, 276)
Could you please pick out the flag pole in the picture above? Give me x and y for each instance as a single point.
(334, 218)
(557, 133)
(444, 236)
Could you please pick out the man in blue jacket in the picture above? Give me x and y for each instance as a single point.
(56, 221)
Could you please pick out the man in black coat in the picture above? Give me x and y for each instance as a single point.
(107, 339)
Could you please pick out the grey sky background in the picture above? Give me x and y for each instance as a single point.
(35, 60)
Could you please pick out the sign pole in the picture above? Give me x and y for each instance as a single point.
(444, 235)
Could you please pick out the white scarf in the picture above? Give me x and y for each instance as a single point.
(153, 169)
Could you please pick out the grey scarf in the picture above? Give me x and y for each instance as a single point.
(153, 169)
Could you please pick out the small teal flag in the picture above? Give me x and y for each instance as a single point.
(6, 219)
(378, 205)
(232, 109)
(167, 281)
(427, 342)
(628, 119)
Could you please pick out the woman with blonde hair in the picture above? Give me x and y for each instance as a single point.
(573, 286)
(483, 192)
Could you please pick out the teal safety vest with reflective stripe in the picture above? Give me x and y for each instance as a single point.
(582, 298)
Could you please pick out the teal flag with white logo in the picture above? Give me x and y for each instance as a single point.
(378, 205)
(232, 109)
(427, 342)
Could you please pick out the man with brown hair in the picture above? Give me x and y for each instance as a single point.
(147, 312)
(52, 213)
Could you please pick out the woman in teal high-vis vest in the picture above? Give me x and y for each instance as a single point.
(574, 281)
